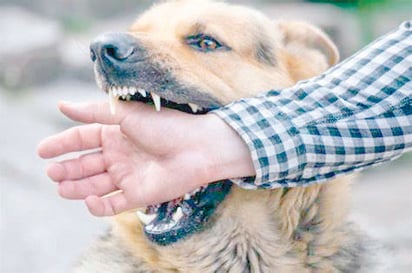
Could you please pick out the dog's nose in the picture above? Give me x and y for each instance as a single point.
(113, 47)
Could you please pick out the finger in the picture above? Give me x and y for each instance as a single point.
(98, 185)
(108, 206)
(97, 112)
(73, 169)
(78, 138)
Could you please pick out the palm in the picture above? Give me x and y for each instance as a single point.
(118, 154)
(136, 162)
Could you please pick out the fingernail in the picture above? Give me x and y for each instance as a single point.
(66, 102)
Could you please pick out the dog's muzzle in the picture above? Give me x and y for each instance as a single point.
(124, 70)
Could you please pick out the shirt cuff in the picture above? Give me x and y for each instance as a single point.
(275, 145)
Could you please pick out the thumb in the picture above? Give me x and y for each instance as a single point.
(96, 112)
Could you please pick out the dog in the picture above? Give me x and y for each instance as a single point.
(195, 56)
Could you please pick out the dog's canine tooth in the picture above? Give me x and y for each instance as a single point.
(112, 101)
(178, 214)
(144, 218)
(142, 92)
(99, 83)
(195, 108)
(156, 101)
(116, 91)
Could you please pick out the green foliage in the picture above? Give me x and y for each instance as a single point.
(75, 24)
(368, 4)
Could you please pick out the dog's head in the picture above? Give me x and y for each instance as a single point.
(197, 55)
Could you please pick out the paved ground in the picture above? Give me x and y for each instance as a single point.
(41, 233)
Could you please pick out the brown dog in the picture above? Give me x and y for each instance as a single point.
(193, 56)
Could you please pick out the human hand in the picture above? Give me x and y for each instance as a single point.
(143, 158)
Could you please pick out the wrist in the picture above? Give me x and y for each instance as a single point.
(226, 154)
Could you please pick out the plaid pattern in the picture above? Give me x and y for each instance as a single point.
(357, 114)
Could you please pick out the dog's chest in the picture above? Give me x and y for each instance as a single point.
(250, 243)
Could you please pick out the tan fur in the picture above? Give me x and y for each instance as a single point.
(297, 230)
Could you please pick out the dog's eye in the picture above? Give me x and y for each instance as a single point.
(203, 43)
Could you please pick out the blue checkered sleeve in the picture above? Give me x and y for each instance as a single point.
(356, 114)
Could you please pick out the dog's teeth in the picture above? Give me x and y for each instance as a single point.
(187, 196)
(142, 92)
(128, 97)
(112, 101)
(144, 218)
(99, 83)
(169, 226)
(195, 108)
(161, 228)
(178, 214)
(195, 191)
(125, 90)
(156, 101)
(132, 90)
(116, 92)
(157, 229)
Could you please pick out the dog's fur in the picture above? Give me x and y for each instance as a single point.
(298, 230)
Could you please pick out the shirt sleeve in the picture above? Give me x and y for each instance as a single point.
(357, 114)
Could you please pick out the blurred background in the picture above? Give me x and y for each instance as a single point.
(44, 58)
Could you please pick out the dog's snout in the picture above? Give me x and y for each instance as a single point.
(113, 47)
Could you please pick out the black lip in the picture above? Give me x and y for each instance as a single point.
(183, 107)
(197, 212)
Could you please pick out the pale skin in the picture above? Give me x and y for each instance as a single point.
(141, 156)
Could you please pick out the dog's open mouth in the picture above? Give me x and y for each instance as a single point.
(172, 221)
(138, 94)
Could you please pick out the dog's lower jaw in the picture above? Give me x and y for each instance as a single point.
(256, 240)
(175, 221)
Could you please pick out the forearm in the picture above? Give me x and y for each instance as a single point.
(355, 115)
(226, 153)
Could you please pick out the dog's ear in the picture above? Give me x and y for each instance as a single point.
(307, 44)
